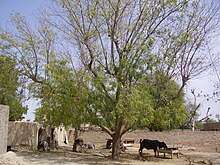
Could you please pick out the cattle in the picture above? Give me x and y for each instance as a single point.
(78, 145)
(43, 145)
(88, 145)
(151, 144)
(43, 141)
(109, 145)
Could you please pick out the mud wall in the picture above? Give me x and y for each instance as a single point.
(211, 126)
(23, 134)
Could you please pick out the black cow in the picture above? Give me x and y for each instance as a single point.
(151, 144)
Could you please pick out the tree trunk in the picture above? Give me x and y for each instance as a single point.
(116, 146)
(193, 125)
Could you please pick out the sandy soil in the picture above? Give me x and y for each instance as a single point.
(196, 148)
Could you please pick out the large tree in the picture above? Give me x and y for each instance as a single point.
(121, 42)
(118, 45)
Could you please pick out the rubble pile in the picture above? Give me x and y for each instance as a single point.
(10, 158)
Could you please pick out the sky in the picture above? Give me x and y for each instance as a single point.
(25, 7)
(29, 7)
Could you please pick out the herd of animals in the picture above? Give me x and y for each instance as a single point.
(144, 143)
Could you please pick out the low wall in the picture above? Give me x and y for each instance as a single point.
(23, 134)
(175, 138)
(211, 126)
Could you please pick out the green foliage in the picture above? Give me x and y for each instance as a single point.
(138, 107)
(210, 120)
(133, 109)
(169, 112)
(11, 92)
(128, 53)
(63, 97)
(199, 125)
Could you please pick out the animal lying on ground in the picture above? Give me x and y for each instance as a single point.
(109, 145)
(151, 144)
(88, 145)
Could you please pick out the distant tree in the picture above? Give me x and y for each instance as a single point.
(209, 120)
(206, 116)
(218, 117)
(199, 125)
(193, 108)
(168, 113)
(11, 92)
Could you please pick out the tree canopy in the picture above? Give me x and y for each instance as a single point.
(11, 92)
(63, 97)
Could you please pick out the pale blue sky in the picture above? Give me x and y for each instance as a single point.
(25, 7)
(29, 7)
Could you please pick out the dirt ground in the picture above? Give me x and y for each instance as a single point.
(196, 148)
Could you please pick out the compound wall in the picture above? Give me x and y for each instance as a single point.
(4, 117)
(23, 134)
